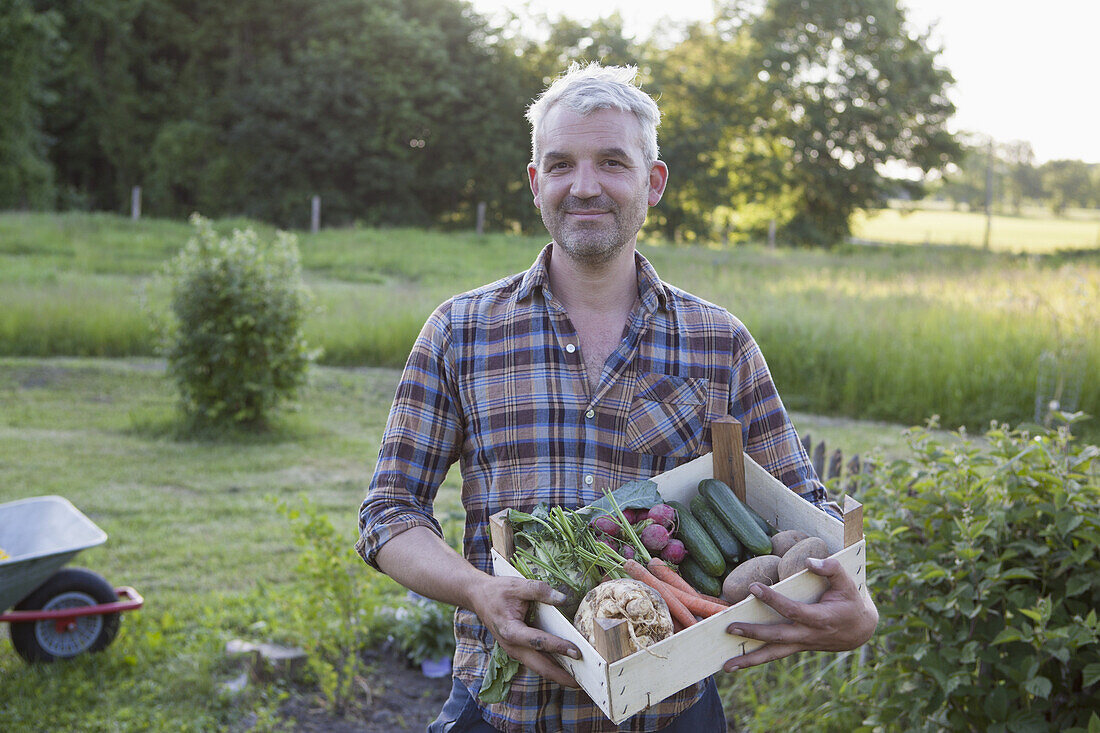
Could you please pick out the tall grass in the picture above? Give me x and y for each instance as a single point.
(887, 333)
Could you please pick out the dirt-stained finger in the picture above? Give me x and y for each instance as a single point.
(771, 633)
(763, 655)
(542, 665)
(541, 591)
(520, 635)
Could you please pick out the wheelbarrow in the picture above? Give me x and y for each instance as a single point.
(57, 612)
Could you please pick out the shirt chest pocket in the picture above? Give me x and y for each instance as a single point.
(667, 415)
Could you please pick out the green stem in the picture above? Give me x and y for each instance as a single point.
(627, 529)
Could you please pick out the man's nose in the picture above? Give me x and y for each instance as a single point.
(586, 183)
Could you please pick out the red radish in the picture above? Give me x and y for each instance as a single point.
(663, 515)
(633, 515)
(627, 552)
(654, 537)
(674, 552)
(606, 524)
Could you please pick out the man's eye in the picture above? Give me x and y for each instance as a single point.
(558, 166)
(612, 163)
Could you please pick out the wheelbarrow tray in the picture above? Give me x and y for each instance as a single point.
(40, 534)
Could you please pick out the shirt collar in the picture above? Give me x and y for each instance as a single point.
(652, 292)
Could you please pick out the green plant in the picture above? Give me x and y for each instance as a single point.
(338, 613)
(234, 340)
(423, 630)
(984, 556)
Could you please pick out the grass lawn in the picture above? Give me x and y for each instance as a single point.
(1033, 232)
(191, 526)
(884, 333)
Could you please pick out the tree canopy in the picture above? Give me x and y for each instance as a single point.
(411, 111)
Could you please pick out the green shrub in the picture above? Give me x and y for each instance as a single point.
(339, 608)
(423, 630)
(234, 340)
(984, 556)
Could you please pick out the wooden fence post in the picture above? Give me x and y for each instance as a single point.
(135, 203)
(481, 206)
(315, 215)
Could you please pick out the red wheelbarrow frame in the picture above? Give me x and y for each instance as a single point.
(132, 601)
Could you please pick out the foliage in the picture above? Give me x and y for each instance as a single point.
(393, 111)
(727, 176)
(29, 40)
(1007, 174)
(422, 629)
(852, 87)
(342, 610)
(234, 341)
(985, 559)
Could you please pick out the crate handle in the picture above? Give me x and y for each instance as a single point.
(728, 454)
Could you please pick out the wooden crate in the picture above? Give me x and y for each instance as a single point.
(623, 687)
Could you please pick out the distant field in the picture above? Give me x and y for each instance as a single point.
(1035, 231)
(883, 333)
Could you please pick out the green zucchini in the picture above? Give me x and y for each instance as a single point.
(698, 543)
(735, 515)
(768, 529)
(699, 580)
(724, 540)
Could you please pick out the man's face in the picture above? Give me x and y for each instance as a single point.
(591, 182)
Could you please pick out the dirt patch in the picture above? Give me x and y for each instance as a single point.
(394, 696)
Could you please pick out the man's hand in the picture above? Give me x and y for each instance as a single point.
(502, 604)
(843, 619)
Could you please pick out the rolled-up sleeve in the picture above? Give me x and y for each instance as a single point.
(422, 439)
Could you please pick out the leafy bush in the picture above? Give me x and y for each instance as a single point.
(423, 630)
(234, 341)
(984, 559)
(985, 563)
(342, 609)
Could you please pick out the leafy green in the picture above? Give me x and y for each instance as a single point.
(640, 494)
(498, 677)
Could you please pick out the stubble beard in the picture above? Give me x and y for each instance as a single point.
(593, 244)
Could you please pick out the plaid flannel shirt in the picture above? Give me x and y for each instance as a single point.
(496, 382)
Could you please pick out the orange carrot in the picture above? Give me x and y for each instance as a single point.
(701, 606)
(692, 599)
(676, 606)
(663, 572)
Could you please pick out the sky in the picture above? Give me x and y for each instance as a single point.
(1023, 70)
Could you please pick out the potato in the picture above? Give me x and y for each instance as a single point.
(795, 558)
(785, 540)
(762, 569)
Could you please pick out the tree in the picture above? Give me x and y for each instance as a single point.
(29, 41)
(727, 172)
(1023, 181)
(852, 88)
(1067, 183)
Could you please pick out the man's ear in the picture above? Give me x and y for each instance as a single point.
(658, 179)
(533, 179)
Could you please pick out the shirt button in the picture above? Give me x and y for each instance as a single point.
(589, 479)
(590, 414)
(570, 348)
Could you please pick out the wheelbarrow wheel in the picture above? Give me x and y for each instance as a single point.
(49, 640)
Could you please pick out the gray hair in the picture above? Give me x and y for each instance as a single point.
(586, 89)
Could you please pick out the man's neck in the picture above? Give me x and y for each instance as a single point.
(608, 288)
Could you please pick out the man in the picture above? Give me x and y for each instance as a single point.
(582, 373)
